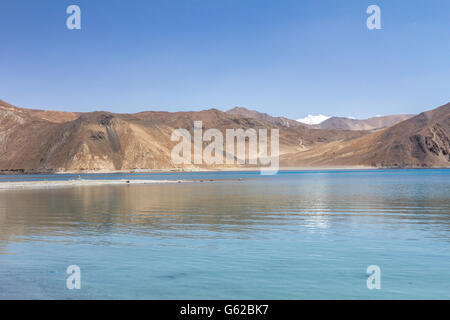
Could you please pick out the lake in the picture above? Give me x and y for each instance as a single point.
(295, 235)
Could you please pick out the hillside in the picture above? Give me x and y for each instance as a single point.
(53, 141)
(339, 123)
(279, 121)
(421, 141)
(47, 141)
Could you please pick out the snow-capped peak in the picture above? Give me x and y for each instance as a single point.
(310, 119)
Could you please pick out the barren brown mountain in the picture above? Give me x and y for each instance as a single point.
(279, 121)
(338, 123)
(53, 141)
(49, 141)
(421, 141)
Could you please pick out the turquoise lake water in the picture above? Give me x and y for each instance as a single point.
(295, 235)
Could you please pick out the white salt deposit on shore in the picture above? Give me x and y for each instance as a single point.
(10, 185)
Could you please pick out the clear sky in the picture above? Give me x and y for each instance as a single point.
(282, 57)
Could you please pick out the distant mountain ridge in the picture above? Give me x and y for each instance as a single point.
(281, 121)
(341, 123)
(36, 141)
(329, 123)
(419, 142)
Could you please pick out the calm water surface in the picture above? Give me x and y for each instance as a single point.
(296, 235)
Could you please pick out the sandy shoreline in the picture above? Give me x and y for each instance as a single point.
(48, 184)
(192, 170)
(234, 169)
(18, 185)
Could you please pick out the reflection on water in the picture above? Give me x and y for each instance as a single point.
(295, 235)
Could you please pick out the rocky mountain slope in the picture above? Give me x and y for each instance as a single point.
(52, 141)
(279, 121)
(339, 123)
(421, 141)
(48, 141)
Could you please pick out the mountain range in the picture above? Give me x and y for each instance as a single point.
(340, 123)
(36, 141)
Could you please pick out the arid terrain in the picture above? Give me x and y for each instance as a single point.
(33, 141)
(339, 123)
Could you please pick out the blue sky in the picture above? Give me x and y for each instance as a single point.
(282, 57)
